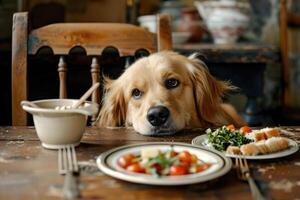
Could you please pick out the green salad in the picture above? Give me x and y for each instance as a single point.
(223, 137)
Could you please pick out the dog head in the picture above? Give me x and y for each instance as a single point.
(162, 94)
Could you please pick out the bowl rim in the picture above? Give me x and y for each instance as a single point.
(91, 107)
(146, 18)
(225, 4)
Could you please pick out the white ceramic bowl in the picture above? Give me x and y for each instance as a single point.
(60, 127)
(227, 20)
(148, 22)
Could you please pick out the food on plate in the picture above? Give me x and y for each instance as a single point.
(234, 150)
(249, 149)
(262, 147)
(223, 137)
(163, 163)
(245, 129)
(270, 145)
(271, 132)
(246, 141)
(277, 144)
(263, 134)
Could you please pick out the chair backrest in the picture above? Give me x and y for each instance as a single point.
(62, 37)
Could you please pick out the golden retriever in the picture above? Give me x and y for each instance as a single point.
(165, 93)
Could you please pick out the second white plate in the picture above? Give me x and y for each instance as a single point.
(202, 140)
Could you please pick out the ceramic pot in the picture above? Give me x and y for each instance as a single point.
(191, 22)
(226, 20)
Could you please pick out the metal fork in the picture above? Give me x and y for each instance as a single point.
(67, 165)
(243, 173)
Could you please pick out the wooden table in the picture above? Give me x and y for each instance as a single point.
(244, 65)
(28, 171)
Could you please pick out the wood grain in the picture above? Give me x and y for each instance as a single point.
(19, 66)
(28, 171)
(93, 37)
(240, 53)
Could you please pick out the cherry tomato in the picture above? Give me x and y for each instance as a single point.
(177, 170)
(245, 129)
(136, 167)
(201, 168)
(185, 157)
(230, 127)
(126, 160)
(157, 166)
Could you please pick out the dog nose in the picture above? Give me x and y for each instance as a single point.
(158, 115)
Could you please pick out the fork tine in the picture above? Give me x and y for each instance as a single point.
(60, 166)
(74, 159)
(240, 162)
(236, 162)
(246, 163)
(238, 168)
(65, 161)
(69, 156)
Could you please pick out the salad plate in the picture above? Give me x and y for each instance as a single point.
(219, 164)
(202, 140)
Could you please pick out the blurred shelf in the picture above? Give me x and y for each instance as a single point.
(233, 53)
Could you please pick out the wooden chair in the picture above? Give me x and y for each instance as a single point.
(61, 37)
(287, 19)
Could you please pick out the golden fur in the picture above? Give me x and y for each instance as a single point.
(195, 103)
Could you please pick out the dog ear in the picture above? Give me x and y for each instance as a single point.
(208, 92)
(114, 108)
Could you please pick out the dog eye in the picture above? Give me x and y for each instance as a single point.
(171, 83)
(136, 93)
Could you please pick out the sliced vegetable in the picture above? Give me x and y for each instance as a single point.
(126, 160)
(223, 137)
(245, 129)
(177, 170)
(136, 167)
(167, 163)
(185, 157)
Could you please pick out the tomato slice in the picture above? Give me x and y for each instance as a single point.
(245, 129)
(136, 167)
(178, 170)
(186, 157)
(126, 160)
(231, 127)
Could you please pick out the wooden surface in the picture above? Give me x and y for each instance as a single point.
(28, 171)
(94, 38)
(233, 53)
(19, 66)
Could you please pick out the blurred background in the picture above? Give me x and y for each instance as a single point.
(194, 22)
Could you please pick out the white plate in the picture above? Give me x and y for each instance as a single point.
(107, 162)
(202, 140)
